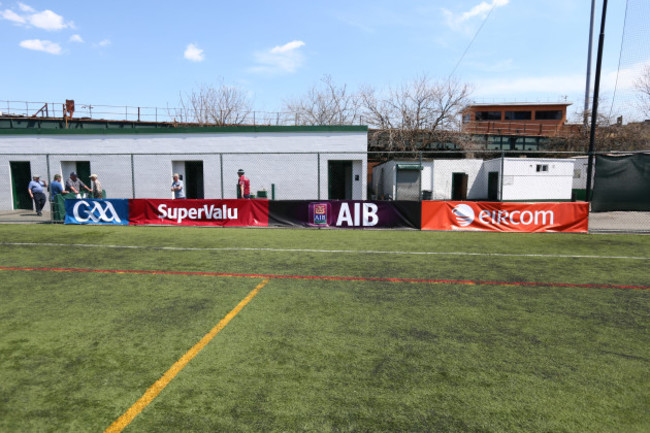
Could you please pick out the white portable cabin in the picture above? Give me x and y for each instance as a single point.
(440, 179)
(529, 179)
(502, 179)
(297, 163)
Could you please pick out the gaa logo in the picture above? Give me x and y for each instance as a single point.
(464, 214)
(96, 212)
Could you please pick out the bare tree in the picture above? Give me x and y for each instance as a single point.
(222, 105)
(642, 85)
(325, 103)
(418, 112)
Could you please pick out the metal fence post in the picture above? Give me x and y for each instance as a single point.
(132, 177)
(318, 172)
(47, 163)
(420, 178)
(221, 171)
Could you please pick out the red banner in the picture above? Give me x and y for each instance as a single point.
(225, 213)
(505, 217)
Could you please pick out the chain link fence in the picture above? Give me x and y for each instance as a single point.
(440, 175)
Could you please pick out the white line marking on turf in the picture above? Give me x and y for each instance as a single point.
(309, 250)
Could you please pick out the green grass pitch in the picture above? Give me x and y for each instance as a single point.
(478, 353)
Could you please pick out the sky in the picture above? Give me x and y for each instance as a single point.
(149, 53)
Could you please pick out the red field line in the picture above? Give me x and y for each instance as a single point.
(334, 278)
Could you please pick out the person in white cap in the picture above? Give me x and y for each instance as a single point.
(95, 186)
(36, 190)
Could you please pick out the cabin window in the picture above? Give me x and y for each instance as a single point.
(519, 115)
(548, 115)
(487, 115)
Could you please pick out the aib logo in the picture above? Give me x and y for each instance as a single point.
(464, 214)
(95, 212)
(319, 214)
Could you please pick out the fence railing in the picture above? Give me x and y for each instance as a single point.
(434, 175)
(130, 113)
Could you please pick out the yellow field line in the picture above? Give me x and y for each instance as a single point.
(161, 383)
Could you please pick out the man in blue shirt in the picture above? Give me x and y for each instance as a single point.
(177, 187)
(36, 188)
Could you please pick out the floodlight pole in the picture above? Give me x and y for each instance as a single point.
(585, 112)
(594, 110)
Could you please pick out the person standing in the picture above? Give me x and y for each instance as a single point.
(36, 190)
(56, 189)
(243, 185)
(95, 186)
(74, 184)
(177, 187)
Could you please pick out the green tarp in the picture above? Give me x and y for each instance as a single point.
(621, 183)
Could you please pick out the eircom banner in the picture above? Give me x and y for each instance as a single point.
(90, 211)
(505, 217)
(224, 213)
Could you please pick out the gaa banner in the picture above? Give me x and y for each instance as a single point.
(505, 217)
(90, 211)
(225, 213)
(345, 214)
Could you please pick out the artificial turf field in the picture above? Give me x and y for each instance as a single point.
(342, 330)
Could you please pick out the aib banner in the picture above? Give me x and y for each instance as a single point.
(224, 213)
(89, 211)
(355, 214)
(505, 217)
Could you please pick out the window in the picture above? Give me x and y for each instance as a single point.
(519, 115)
(487, 115)
(542, 167)
(548, 115)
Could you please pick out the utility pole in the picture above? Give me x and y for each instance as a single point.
(594, 110)
(585, 113)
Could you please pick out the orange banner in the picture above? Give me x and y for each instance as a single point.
(505, 217)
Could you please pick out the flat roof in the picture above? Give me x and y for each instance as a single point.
(518, 104)
(34, 125)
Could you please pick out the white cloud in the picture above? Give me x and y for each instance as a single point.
(40, 45)
(194, 53)
(104, 43)
(76, 38)
(28, 16)
(25, 8)
(482, 9)
(280, 59)
(48, 20)
(10, 15)
(290, 46)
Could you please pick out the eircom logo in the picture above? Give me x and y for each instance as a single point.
(97, 212)
(464, 214)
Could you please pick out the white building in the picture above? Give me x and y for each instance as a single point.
(307, 163)
(502, 179)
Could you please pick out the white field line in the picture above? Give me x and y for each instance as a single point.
(309, 250)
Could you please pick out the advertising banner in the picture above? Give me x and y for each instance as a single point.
(225, 213)
(345, 214)
(505, 217)
(91, 211)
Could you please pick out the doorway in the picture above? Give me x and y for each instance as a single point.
(493, 186)
(194, 179)
(408, 183)
(21, 175)
(459, 186)
(339, 175)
